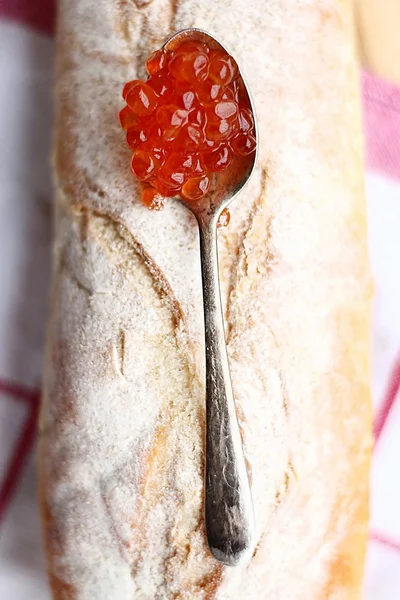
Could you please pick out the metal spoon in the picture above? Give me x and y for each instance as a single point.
(229, 516)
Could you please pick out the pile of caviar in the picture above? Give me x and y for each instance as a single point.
(186, 122)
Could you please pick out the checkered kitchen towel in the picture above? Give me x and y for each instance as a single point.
(26, 50)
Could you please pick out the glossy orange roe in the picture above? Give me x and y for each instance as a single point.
(186, 122)
(224, 218)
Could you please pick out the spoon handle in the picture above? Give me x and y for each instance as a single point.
(228, 505)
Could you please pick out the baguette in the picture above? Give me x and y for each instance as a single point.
(122, 419)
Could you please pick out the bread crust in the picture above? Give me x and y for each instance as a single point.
(122, 420)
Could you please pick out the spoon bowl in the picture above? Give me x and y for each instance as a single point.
(225, 185)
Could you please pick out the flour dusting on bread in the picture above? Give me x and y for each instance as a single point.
(122, 424)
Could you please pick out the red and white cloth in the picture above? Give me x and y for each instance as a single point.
(26, 52)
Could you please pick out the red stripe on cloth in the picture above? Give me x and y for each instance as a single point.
(18, 391)
(388, 401)
(18, 458)
(385, 541)
(382, 125)
(38, 14)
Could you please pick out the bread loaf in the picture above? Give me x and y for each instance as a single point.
(122, 420)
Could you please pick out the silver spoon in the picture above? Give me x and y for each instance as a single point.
(229, 517)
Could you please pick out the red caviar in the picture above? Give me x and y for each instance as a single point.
(186, 122)
(195, 187)
(152, 198)
(224, 218)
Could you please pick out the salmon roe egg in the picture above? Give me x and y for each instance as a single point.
(243, 144)
(217, 129)
(226, 109)
(219, 159)
(246, 121)
(127, 118)
(155, 62)
(189, 67)
(195, 188)
(191, 137)
(189, 120)
(152, 198)
(163, 86)
(143, 165)
(141, 98)
(224, 218)
(208, 92)
(194, 46)
(223, 69)
(172, 174)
